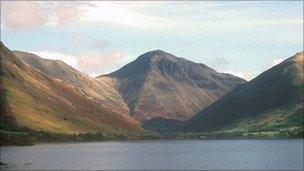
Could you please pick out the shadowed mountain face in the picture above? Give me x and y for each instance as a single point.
(48, 95)
(160, 85)
(272, 100)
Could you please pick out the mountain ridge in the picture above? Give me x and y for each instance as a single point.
(100, 91)
(158, 90)
(272, 100)
(172, 78)
(38, 102)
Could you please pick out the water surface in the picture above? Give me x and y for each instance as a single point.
(158, 154)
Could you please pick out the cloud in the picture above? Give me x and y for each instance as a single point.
(66, 14)
(92, 43)
(23, 14)
(276, 61)
(119, 14)
(151, 15)
(273, 63)
(219, 63)
(97, 64)
(68, 59)
(93, 64)
(238, 74)
(223, 65)
(35, 14)
(99, 43)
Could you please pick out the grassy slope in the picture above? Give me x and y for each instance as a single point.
(100, 91)
(272, 120)
(39, 102)
(269, 103)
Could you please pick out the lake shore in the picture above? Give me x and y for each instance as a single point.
(23, 138)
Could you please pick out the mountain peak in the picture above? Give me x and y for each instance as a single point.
(159, 84)
(156, 55)
(156, 52)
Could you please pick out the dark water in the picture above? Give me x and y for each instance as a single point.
(166, 154)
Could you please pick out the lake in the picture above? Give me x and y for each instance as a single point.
(230, 154)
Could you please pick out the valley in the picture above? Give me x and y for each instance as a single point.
(157, 96)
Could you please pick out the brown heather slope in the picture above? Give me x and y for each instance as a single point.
(100, 91)
(159, 85)
(271, 101)
(38, 101)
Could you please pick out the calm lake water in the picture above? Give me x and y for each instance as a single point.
(157, 154)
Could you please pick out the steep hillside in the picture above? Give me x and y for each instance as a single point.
(55, 103)
(159, 85)
(100, 91)
(271, 101)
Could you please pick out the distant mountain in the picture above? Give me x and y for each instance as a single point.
(271, 101)
(40, 94)
(159, 85)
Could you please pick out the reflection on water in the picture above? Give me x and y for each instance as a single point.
(166, 154)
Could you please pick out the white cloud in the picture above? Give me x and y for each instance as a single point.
(68, 59)
(98, 62)
(273, 63)
(277, 61)
(120, 14)
(93, 43)
(238, 74)
(93, 64)
(223, 65)
(111, 13)
(19, 14)
(22, 14)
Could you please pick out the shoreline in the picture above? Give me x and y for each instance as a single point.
(158, 139)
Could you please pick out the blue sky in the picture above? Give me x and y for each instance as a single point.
(242, 38)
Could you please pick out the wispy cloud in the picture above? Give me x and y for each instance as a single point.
(223, 65)
(101, 30)
(273, 63)
(23, 14)
(91, 64)
(27, 14)
(66, 14)
(238, 74)
(96, 64)
(37, 14)
(68, 59)
(93, 43)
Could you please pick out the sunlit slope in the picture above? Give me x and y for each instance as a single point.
(271, 101)
(101, 91)
(159, 85)
(41, 102)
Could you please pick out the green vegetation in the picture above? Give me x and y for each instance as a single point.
(31, 137)
(16, 138)
(2, 164)
(292, 132)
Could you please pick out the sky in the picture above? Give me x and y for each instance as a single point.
(243, 38)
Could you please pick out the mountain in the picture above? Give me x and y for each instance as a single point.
(271, 101)
(100, 91)
(159, 85)
(48, 95)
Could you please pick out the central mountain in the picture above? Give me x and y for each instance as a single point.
(160, 85)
